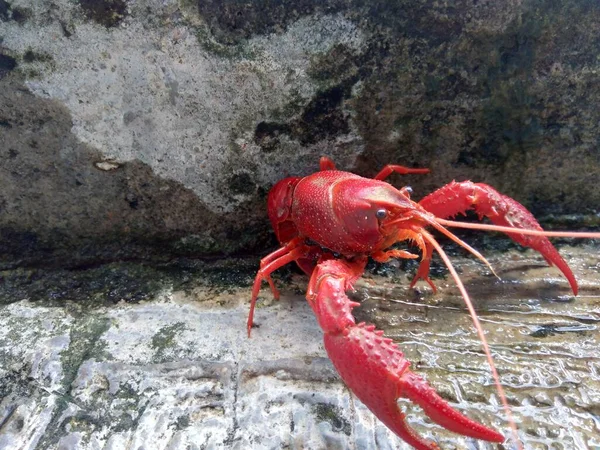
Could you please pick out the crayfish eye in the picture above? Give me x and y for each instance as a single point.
(381, 214)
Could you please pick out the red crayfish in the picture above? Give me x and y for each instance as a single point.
(330, 222)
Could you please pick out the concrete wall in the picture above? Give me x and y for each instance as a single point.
(136, 129)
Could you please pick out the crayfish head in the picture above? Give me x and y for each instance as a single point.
(402, 219)
(378, 213)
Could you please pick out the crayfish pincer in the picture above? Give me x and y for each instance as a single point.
(332, 221)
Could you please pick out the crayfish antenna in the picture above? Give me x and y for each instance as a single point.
(541, 244)
(429, 238)
(463, 244)
(524, 231)
(433, 221)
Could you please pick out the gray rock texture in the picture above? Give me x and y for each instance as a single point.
(177, 371)
(138, 141)
(149, 128)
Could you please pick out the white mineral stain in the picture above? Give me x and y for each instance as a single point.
(155, 95)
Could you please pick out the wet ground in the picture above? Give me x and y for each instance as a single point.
(545, 342)
(123, 356)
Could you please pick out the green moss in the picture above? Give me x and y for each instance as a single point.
(31, 56)
(108, 13)
(238, 51)
(571, 222)
(30, 74)
(197, 243)
(84, 423)
(88, 288)
(85, 290)
(85, 343)
(122, 412)
(33, 63)
(336, 66)
(227, 48)
(294, 106)
(165, 340)
(329, 413)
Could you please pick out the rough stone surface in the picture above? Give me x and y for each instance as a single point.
(176, 371)
(136, 131)
(143, 128)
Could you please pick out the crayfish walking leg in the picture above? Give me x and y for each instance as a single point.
(372, 366)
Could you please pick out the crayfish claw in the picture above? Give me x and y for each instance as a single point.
(377, 372)
(501, 210)
(423, 273)
(437, 409)
(385, 256)
(373, 367)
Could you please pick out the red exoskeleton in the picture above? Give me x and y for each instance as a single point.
(332, 221)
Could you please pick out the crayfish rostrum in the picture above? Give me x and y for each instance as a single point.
(332, 221)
